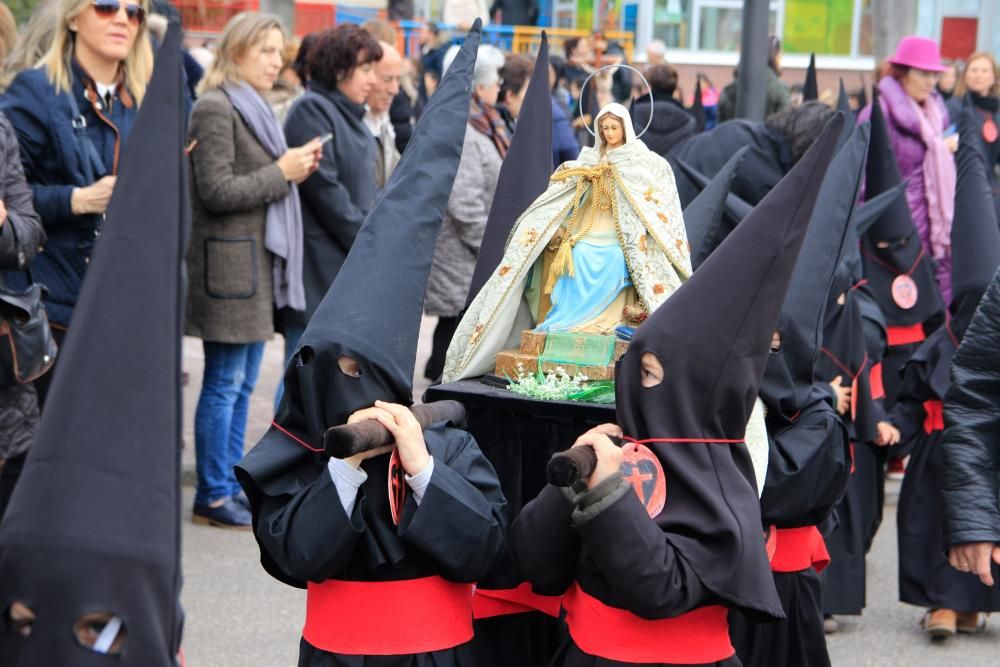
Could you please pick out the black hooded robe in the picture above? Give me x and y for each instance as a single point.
(926, 579)
(615, 556)
(454, 533)
(851, 349)
(809, 447)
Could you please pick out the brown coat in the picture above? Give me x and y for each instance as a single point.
(233, 179)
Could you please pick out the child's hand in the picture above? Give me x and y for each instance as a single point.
(887, 435)
(408, 435)
(609, 457)
(843, 395)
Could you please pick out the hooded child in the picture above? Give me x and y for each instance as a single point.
(900, 274)
(664, 538)
(809, 462)
(387, 544)
(514, 625)
(953, 599)
(90, 564)
(849, 366)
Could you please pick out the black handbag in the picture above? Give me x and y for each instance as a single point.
(27, 349)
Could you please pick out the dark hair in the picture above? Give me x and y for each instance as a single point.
(662, 78)
(433, 27)
(898, 72)
(301, 62)
(569, 46)
(773, 50)
(800, 125)
(338, 51)
(515, 72)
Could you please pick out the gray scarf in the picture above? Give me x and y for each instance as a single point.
(283, 230)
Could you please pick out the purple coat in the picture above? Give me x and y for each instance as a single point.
(909, 147)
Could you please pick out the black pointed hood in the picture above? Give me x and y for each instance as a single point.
(713, 360)
(844, 106)
(697, 109)
(524, 174)
(898, 272)
(810, 89)
(373, 309)
(789, 378)
(94, 522)
(735, 208)
(975, 237)
(703, 217)
(862, 94)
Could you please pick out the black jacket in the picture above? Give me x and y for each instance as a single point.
(766, 163)
(970, 444)
(670, 126)
(20, 237)
(336, 199)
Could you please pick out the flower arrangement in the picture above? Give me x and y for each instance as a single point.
(555, 385)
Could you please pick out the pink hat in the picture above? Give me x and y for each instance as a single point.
(919, 52)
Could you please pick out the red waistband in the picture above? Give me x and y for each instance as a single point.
(695, 638)
(905, 335)
(388, 617)
(875, 382)
(490, 602)
(799, 549)
(934, 416)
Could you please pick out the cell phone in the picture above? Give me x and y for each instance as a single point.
(325, 138)
(950, 130)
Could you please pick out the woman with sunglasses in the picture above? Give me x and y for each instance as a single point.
(73, 114)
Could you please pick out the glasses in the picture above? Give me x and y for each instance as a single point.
(109, 8)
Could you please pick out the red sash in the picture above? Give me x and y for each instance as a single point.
(905, 335)
(875, 382)
(934, 416)
(488, 603)
(388, 617)
(799, 549)
(695, 638)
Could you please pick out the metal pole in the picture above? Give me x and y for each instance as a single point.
(751, 99)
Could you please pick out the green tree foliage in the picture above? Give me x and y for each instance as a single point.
(21, 8)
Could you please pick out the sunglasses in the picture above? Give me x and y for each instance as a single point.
(109, 8)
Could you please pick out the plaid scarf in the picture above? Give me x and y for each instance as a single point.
(487, 120)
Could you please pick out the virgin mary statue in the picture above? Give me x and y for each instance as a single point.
(601, 248)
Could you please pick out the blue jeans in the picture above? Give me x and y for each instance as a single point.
(292, 336)
(220, 421)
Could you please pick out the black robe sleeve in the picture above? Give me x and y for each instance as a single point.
(908, 413)
(461, 521)
(645, 572)
(309, 536)
(545, 545)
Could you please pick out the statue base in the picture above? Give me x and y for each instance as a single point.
(592, 355)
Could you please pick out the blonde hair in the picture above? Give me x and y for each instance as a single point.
(960, 87)
(8, 32)
(138, 64)
(240, 35)
(34, 40)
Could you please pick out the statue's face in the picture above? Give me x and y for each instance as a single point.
(612, 131)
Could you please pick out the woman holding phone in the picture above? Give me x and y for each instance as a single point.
(245, 256)
(336, 199)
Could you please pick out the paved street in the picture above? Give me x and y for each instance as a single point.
(237, 616)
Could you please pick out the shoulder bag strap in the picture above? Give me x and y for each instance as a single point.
(92, 162)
